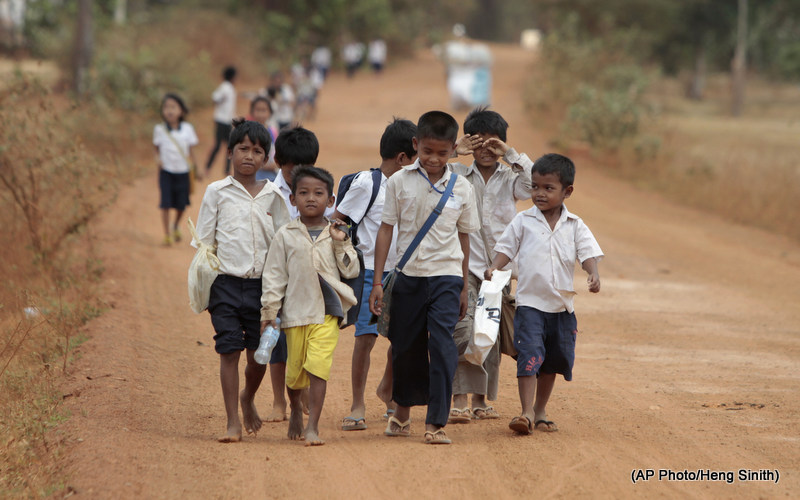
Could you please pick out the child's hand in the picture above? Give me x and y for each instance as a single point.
(594, 282)
(467, 144)
(496, 146)
(337, 233)
(487, 275)
(265, 324)
(376, 300)
(463, 303)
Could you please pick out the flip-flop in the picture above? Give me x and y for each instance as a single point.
(521, 425)
(389, 413)
(487, 413)
(459, 416)
(358, 424)
(437, 437)
(404, 428)
(546, 426)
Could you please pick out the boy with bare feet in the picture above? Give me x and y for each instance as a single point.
(239, 216)
(363, 205)
(304, 267)
(545, 241)
(429, 294)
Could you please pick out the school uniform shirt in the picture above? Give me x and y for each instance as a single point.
(546, 257)
(284, 104)
(354, 205)
(224, 98)
(285, 190)
(239, 225)
(295, 263)
(173, 160)
(497, 201)
(410, 199)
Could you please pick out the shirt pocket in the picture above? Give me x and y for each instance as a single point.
(504, 211)
(407, 206)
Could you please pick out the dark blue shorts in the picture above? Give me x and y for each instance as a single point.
(174, 190)
(545, 342)
(235, 308)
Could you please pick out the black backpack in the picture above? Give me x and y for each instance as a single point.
(357, 283)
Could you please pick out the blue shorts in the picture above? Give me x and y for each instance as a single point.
(174, 190)
(545, 342)
(235, 308)
(362, 322)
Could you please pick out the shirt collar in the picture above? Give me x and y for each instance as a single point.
(418, 166)
(537, 214)
(281, 184)
(230, 181)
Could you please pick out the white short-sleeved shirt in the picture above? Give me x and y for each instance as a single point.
(224, 98)
(239, 225)
(354, 205)
(410, 199)
(546, 258)
(173, 160)
(285, 191)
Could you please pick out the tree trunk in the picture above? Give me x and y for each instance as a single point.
(697, 85)
(82, 55)
(739, 63)
(120, 12)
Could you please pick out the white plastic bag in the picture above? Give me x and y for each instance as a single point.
(487, 317)
(203, 270)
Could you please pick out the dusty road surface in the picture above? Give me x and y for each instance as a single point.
(687, 360)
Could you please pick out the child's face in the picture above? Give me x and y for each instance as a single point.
(547, 191)
(434, 154)
(171, 111)
(311, 197)
(247, 158)
(484, 157)
(261, 112)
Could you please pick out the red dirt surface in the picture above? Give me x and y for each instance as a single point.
(687, 359)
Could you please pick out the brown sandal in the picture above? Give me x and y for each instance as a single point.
(436, 437)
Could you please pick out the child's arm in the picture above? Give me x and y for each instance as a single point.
(346, 256)
(274, 280)
(158, 158)
(520, 164)
(463, 239)
(382, 243)
(500, 261)
(590, 266)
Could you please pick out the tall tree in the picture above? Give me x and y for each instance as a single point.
(84, 44)
(739, 63)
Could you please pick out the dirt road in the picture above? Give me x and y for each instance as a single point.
(687, 359)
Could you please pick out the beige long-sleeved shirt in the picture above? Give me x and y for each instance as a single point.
(290, 283)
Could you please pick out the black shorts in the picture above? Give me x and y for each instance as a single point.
(174, 190)
(235, 308)
(545, 342)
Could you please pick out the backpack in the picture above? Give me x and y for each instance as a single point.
(357, 283)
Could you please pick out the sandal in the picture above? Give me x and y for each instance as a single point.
(403, 429)
(437, 437)
(353, 424)
(459, 416)
(545, 426)
(488, 413)
(521, 425)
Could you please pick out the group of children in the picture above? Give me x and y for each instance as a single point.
(286, 251)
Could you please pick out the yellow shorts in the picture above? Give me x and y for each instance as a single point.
(310, 350)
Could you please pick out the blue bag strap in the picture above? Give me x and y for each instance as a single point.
(428, 223)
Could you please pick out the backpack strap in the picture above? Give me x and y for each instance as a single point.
(376, 186)
(428, 223)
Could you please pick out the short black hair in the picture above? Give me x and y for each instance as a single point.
(302, 171)
(296, 146)
(560, 165)
(255, 131)
(482, 121)
(260, 98)
(229, 73)
(437, 125)
(397, 138)
(176, 98)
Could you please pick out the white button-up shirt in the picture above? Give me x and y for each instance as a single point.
(497, 201)
(239, 225)
(354, 205)
(546, 258)
(410, 199)
(286, 191)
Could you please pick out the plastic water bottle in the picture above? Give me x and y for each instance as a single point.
(267, 343)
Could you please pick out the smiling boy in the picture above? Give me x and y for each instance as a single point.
(430, 294)
(239, 216)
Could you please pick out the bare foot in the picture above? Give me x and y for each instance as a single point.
(296, 425)
(313, 439)
(278, 415)
(252, 422)
(234, 435)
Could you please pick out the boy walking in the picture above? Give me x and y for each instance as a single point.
(430, 294)
(545, 241)
(497, 188)
(304, 267)
(397, 151)
(239, 216)
(224, 98)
